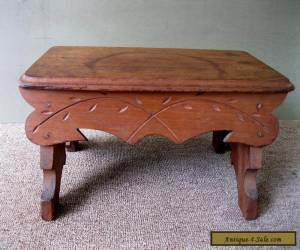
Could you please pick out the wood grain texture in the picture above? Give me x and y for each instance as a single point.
(247, 161)
(150, 69)
(52, 160)
(59, 115)
(135, 92)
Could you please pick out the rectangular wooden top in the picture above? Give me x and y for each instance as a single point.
(152, 69)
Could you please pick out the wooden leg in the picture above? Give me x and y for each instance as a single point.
(72, 146)
(247, 161)
(52, 161)
(217, 142)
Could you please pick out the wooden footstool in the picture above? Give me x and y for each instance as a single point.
(135, 92)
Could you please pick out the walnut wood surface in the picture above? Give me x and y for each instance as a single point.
(52, 160)
(134, 92)
(149, 69)
(247, 161)
(59, 115)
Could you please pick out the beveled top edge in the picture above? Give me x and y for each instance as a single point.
(278, 83)
(278, 86)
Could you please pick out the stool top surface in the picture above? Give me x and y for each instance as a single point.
(152, 69)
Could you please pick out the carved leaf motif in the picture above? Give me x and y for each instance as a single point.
(84, 107)
(167, 100)
(46, 112)
(93, 108)
(240, 117)
(216, 108)
(75, 99)
(188, 107)
(138, 101)
(122, 110)
(66, 116)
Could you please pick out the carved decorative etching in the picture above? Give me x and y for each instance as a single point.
(179, 117)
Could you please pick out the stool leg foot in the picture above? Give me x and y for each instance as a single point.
(217, 142)
(52, 161)
(247, 161)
